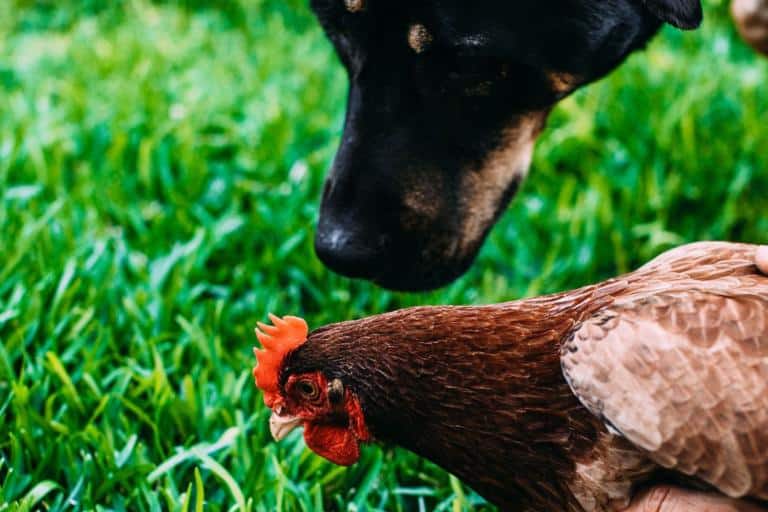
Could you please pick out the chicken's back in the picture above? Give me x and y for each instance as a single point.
(704, 260)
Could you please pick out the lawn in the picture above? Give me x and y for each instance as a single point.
(160, 170)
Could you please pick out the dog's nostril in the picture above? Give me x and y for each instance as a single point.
(350, 254)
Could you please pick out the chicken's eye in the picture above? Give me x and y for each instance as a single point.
(308, 389)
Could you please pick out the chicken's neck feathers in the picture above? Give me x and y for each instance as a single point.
(430, 379)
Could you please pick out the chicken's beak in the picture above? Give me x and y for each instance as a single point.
(282, 425)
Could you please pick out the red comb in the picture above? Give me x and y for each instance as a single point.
(286, 334)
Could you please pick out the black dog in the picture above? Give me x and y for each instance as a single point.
(446, 100)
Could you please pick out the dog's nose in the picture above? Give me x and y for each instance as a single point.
(349, 253)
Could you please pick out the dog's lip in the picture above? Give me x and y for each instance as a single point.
(400, 265)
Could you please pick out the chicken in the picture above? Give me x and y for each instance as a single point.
(567, 402)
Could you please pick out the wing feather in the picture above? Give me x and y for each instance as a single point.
(683, 375)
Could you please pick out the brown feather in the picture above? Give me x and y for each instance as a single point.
(681, 370)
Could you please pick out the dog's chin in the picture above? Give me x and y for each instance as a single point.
(403, 278)
(407, 277)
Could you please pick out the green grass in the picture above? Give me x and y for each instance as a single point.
(160, 169)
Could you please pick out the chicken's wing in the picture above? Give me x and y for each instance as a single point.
(684, 376)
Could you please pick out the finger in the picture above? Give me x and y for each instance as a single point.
(761, 258)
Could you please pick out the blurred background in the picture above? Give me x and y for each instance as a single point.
(160, 172)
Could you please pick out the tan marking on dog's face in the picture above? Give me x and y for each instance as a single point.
(483, 188)
(419, 37)
(562, 83)
(354, 5)
(423, 198)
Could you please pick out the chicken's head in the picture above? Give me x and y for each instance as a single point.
(331, 415)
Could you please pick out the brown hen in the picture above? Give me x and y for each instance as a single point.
(568, 402)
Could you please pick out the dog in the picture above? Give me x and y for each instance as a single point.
(446, 100)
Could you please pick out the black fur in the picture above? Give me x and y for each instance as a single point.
(424, 121)
(685, 14)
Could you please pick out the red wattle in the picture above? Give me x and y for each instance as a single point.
(337, 444)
